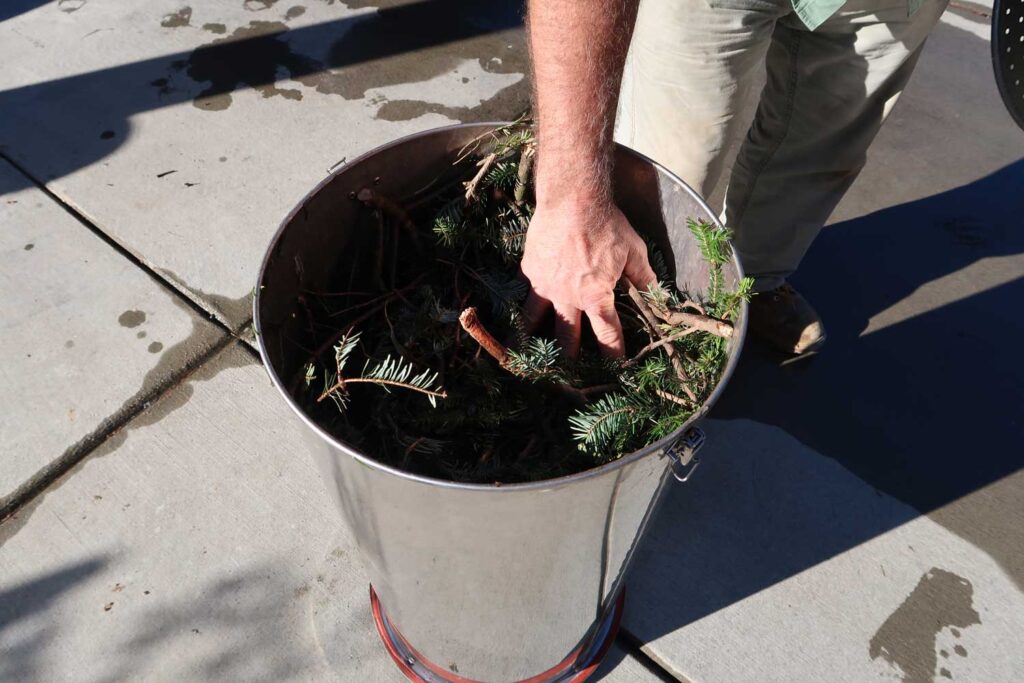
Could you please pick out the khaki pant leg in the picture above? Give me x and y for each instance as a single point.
(827, 94)
(689, 67)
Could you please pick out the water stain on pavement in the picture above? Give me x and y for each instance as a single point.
(400, 43)
(215, 28)
(131, 318)
(177, 19)
(906, 640)
(294, 12)
(155, 347)
(258, 5)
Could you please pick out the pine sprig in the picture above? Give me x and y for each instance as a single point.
(603, 421)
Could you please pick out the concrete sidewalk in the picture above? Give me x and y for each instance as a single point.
(858, 516)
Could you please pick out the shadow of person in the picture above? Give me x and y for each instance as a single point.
(25, 630)
(917, 395)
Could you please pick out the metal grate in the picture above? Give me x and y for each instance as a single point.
(1008, 54)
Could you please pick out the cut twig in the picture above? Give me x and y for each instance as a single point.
(379, 201)
(523, 176)
(485, 165)
(474, 328)
(672, 397)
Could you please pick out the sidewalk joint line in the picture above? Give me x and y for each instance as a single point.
(195, 304)
(142, 401)
(632, 646)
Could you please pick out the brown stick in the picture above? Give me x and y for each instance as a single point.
(523, 176)
(658, 344)
(379, 201)
(672, 397)
(485, 165)
(474, 328)
(703, 323)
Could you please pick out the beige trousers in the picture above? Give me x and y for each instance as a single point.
(692, 64)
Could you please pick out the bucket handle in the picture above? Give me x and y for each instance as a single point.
(682, 454)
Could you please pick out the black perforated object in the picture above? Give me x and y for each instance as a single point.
(1008, 54)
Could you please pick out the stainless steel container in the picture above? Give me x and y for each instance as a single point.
(484, 582)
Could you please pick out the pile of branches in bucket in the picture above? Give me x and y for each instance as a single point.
(433, 370)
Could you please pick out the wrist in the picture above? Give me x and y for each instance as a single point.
(575, 188)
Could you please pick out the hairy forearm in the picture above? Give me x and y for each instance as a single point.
(578, 49)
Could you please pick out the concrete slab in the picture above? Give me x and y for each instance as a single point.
(84, 333)
(197, 544)
(775, 563)
(188, 131)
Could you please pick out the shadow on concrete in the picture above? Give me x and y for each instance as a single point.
(65, 124)
(25, 633)
(12, 8)
(926, 409)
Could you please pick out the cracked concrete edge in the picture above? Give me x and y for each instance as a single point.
(214, 308)
(108, 427)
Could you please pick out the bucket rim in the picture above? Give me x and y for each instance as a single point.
(541, 484)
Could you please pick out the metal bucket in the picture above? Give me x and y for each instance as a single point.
(484, 582)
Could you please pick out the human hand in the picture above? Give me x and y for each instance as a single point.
(575, 254)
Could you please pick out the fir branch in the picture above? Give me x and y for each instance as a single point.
(602, 421)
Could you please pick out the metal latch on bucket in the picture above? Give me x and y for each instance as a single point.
(683, 453)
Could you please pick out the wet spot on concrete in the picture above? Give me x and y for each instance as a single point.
(960, 650)
(30, 246)
(215, 28)
(258, 5)
(131, 318)
(294, 12)
(906, 640)
(223, 159)
(107, 135)
(945, 673)
(465, 79)
(399, 43)
(177, 19)
(944, 653)
(251, 56)
(155, 347)
(141, 334)
(69, 6)
(69, 344)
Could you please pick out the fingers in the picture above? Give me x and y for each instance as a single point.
(638, 269)
(567, 328)
(534, 309)
(604, 320)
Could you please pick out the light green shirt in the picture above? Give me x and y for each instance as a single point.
(814, 12)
